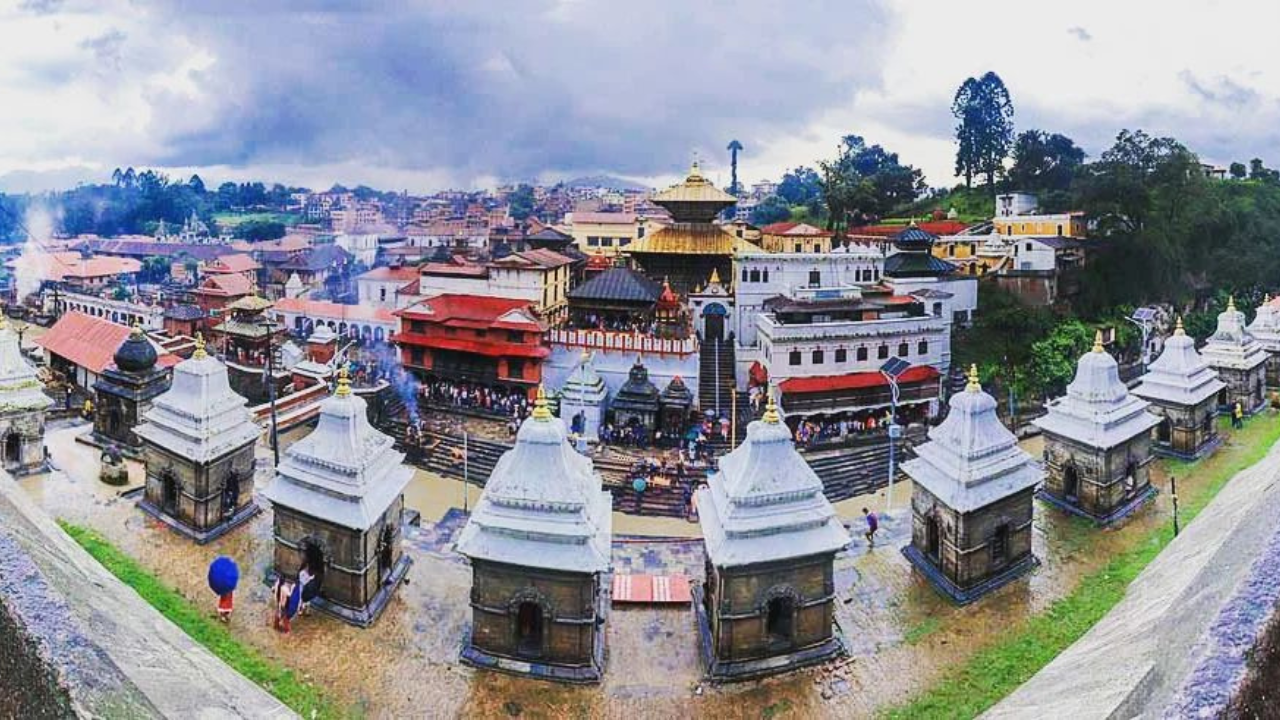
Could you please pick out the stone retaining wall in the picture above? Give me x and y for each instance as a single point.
(1180, 640)
(75, 641)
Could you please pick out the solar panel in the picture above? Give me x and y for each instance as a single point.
(1144, 314)
(895, 367)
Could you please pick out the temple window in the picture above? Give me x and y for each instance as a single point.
(817, 357)
(902, 350)
(842, 355)
(883, 352)
(861, 355)
(794, 358)
(922, 348)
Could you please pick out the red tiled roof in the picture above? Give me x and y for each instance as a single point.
(604, 218)
(434, 268)
(334, 311)
(540, 257)
(91, 342)
(404, 273)
(58, 266)
(479, 347)
(855, 381)
(236, 263)
(789, 228)
(226, 285)
(940, 227)
(472, 311)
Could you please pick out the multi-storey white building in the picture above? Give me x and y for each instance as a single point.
(762, 275)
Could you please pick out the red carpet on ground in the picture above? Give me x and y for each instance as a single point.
(651, 589)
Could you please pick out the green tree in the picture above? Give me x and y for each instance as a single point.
(521, 202)
(1238, 171)
(196, 184)
(772, 209)
(1053, 360)
(256, 230)
(801, 186)
(985, 128)
(866, 181)
(1044, 162)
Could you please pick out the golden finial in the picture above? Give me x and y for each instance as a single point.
(771, 415)
(1177, 328)
(715, 277)
(344, 383)
(1231, 303)
(974, 385)
(586, 355)
(199, 354)
(694, 170)
(1097, 341)
(541, 412)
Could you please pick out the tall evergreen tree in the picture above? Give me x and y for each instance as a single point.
(984, 132)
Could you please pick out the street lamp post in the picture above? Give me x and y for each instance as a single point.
(269, 326)
(891, 370)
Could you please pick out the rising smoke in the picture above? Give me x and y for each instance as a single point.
(31, 268)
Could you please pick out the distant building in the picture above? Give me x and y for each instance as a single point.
(364, 323)
(794, 237)
(1016, 203)
(604, 232)
(380, 286)
(1069, 224)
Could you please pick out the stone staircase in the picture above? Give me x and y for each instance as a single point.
(715, 376)
(862, 467)
(443, 454)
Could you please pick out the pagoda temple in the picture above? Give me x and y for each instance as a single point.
(913, 256)
(583, 399)
(771, 537)
(22, 407)
(198, 443)
(1265, 328)
(972, 502)
(636, 402)
(338, 502)
(248, 339)
(1097, 443)
(674, 405)
(124, 392)
(688, 250)
(1240, 361)
(539, 542)
(1183, 391)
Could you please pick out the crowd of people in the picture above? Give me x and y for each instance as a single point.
(612, 323)
(502, 402)
(811, 432)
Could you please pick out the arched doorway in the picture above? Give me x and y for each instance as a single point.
(1131, 478)
(779, 621)
(1164, 431)
(1222, 396)
(386, 551)
(1071, 482)
(529, 629)
(113, 422)
(1000, 545)
(713, 319)
(230, 495)
(12, 450)
(933, 538)
(169, 493)
(313, 556)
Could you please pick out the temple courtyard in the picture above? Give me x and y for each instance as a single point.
(902, 636)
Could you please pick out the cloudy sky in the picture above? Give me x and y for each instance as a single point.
(425, 95)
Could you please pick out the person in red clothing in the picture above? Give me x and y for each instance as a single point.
(226, 603)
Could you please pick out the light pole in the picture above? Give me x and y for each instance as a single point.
(1142, 318)
(891, 370)
(269, 326)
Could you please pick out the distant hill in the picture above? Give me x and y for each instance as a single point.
(604, 181)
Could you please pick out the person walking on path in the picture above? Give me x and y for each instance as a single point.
(873, 525)
(1237, 416)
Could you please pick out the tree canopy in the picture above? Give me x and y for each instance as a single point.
(985, 127)
(866, 181)
(1044, 162)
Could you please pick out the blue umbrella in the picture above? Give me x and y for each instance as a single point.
(639, 484)
(224, 575)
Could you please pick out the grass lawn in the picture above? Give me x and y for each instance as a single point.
(230, 220)
(997, 670)
(304, 698)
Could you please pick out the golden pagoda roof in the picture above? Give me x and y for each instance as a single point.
(250, 303)
(695, 188)
(690, 239)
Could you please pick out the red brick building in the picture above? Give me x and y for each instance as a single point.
(497, 342)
